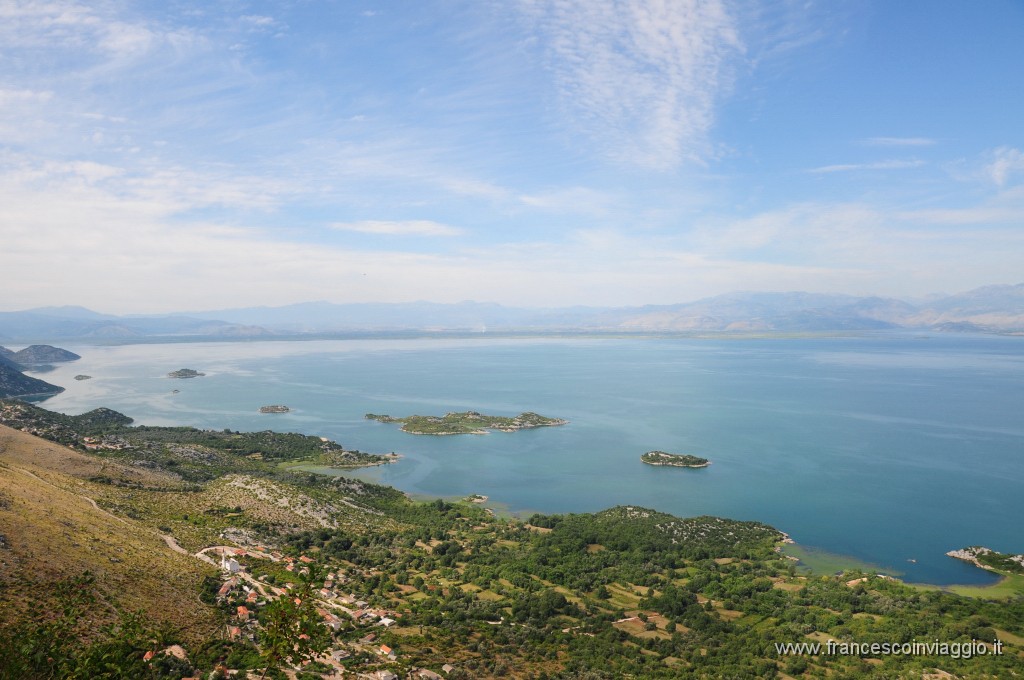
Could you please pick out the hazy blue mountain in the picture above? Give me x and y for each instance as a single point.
(42, 354)
(54, 323)
(70, 312)
(472, 316)
(988, 299)
(990, 308)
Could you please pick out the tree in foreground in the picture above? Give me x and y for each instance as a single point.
(292, 632)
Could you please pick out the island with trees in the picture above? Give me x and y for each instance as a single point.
(674, 459)
(183, 373)
(274, 408)
(467, 422)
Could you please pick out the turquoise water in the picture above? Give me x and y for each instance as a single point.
(888, 448)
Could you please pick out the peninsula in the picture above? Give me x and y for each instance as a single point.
(274, 408)
(185, 373)
(674, 459)
(467, 422)
(989, 559)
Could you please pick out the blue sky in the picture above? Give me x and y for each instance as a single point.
(182, 156)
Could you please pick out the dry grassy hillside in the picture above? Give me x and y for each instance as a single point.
(52, 530)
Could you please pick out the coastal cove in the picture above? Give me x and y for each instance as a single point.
(888, 448)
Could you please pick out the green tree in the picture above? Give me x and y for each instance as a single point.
(292, 631)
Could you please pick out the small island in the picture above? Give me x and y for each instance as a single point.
(183, 373)
(674, 459)
(274, 408)
(467, 422)
(83, 377)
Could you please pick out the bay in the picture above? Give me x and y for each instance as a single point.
(890, 448)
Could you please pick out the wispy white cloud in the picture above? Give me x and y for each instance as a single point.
(88, 27)
(1005, 161)
(116, 227)
(12, 98)
(398, 228)
(879, 250)
(641, 77)
(899, 141)
(894, 164)
(582, 200)
(259, 23)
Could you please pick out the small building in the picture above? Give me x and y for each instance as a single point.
(226, 588)
(243, 613)
(230, 564)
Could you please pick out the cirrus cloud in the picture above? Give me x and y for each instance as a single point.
(398, 228)
(641, 77)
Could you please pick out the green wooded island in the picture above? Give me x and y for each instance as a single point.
(674, 459)
(467, 422)
(185, 373)
(274, 408)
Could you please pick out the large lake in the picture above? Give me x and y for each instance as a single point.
(889, 448)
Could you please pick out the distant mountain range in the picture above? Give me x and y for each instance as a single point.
(998, 308)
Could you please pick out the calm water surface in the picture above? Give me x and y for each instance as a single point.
(888, 448)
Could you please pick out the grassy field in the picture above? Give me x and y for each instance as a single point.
(1008, 587)
(822, 562)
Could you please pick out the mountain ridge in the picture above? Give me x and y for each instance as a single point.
(993, 308)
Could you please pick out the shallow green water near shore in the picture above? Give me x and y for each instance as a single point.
(887, 448)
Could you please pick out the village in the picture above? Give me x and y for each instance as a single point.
(245, 594)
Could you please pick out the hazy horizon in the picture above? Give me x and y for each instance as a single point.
(543, 153)
(923, 299)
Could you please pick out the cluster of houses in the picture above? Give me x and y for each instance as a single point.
(105, 443)
(334, 608)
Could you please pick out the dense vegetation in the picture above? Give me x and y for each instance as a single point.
(626, 592)
(182, 373)
(673, 459)
(467, 422)
(192, 454)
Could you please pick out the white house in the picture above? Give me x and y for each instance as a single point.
(230, 564)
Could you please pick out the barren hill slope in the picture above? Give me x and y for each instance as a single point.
(53, 531)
